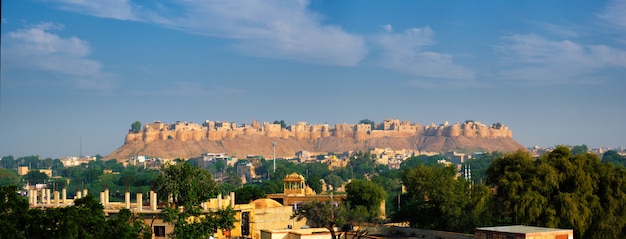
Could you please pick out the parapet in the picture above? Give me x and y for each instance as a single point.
(216, 130)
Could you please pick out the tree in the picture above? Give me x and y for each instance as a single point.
(13, 213)
(613, 157)
(8, 177)
(560, 189)
(579, 149)
(328, 214)
(135, 127)
(281, 123)
(370, 122)
(315, 183)
(188, 186)
(362, 163)
(248, 193)
(366, 194)
(436, 199)
(35, 177)
(8, 162)
(333, 180)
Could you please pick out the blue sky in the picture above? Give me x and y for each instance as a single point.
(553, 71)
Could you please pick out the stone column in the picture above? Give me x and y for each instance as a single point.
(48, 197)
(232, 199)
(85, 192)
(127, 198)
(139, 202)
(106, 197)
(153, 201)
(219, 201)
(64, 195)
(57, 199)
(79, 195)
(102, 198)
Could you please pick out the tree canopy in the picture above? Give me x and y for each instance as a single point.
(366, 195)
(135, 127)
(188, 187)
(561, 189)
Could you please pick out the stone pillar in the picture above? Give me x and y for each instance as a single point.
(232, 199)
(48, 196)
(79, 195)
(102, 198)
(43, 196)
(57, 199)
(64, 196)
(127, 198)
(33, 197)
(139, 202)
(85, 192)
(219, 201)
(106, 197)
(153, 201)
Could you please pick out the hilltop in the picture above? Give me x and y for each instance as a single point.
(186, 140)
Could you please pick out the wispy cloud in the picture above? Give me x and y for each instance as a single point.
(615, 13)
(35, 47)
(265, 28)
(407, 52)
(534, 58)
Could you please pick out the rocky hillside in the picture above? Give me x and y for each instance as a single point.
(243, 145)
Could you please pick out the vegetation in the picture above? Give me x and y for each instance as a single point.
(85, 219)
(561, 189)
(364, 198)
(135, 127)
(188, 186)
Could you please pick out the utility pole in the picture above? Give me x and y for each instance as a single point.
(274, 146)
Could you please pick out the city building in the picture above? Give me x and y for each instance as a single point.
(523, 232)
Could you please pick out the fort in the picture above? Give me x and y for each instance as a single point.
(217, 131)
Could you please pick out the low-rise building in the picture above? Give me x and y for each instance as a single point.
(523, 232)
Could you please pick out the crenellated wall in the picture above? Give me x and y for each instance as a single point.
(217, 131)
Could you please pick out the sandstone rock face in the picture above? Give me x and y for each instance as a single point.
(185, 140)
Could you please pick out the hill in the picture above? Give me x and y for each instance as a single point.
(186, 140)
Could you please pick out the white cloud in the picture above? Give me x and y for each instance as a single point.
(405, 52)
(36, 48)
(534, 58)
(266, 28)
(117, 9)
(615, 13)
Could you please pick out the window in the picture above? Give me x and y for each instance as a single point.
(159, 231)
(489, 236)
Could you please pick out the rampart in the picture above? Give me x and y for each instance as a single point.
(217, 131)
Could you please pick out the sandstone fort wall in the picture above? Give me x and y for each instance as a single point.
(217, 131)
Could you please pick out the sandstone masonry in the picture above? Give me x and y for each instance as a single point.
(217, 131)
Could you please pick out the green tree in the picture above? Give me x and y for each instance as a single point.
(8, 177)
(370, 122)
(613, 157)
(8, 162)
(333, 180)
(13, 213)
(561, 190)
(35, 177)
(579, 149)
(361, 164)
(436, 199)
(281, 123)
(135, 127)
(248, 193)
(188, 186)
(314, 182)
(366, 194)
(328, 214)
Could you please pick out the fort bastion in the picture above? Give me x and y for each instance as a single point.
(217, 131)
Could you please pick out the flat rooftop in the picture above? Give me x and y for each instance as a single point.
(522, 229)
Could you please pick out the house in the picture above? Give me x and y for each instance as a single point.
(523, 232)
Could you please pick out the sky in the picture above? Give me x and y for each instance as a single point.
(77, 73)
